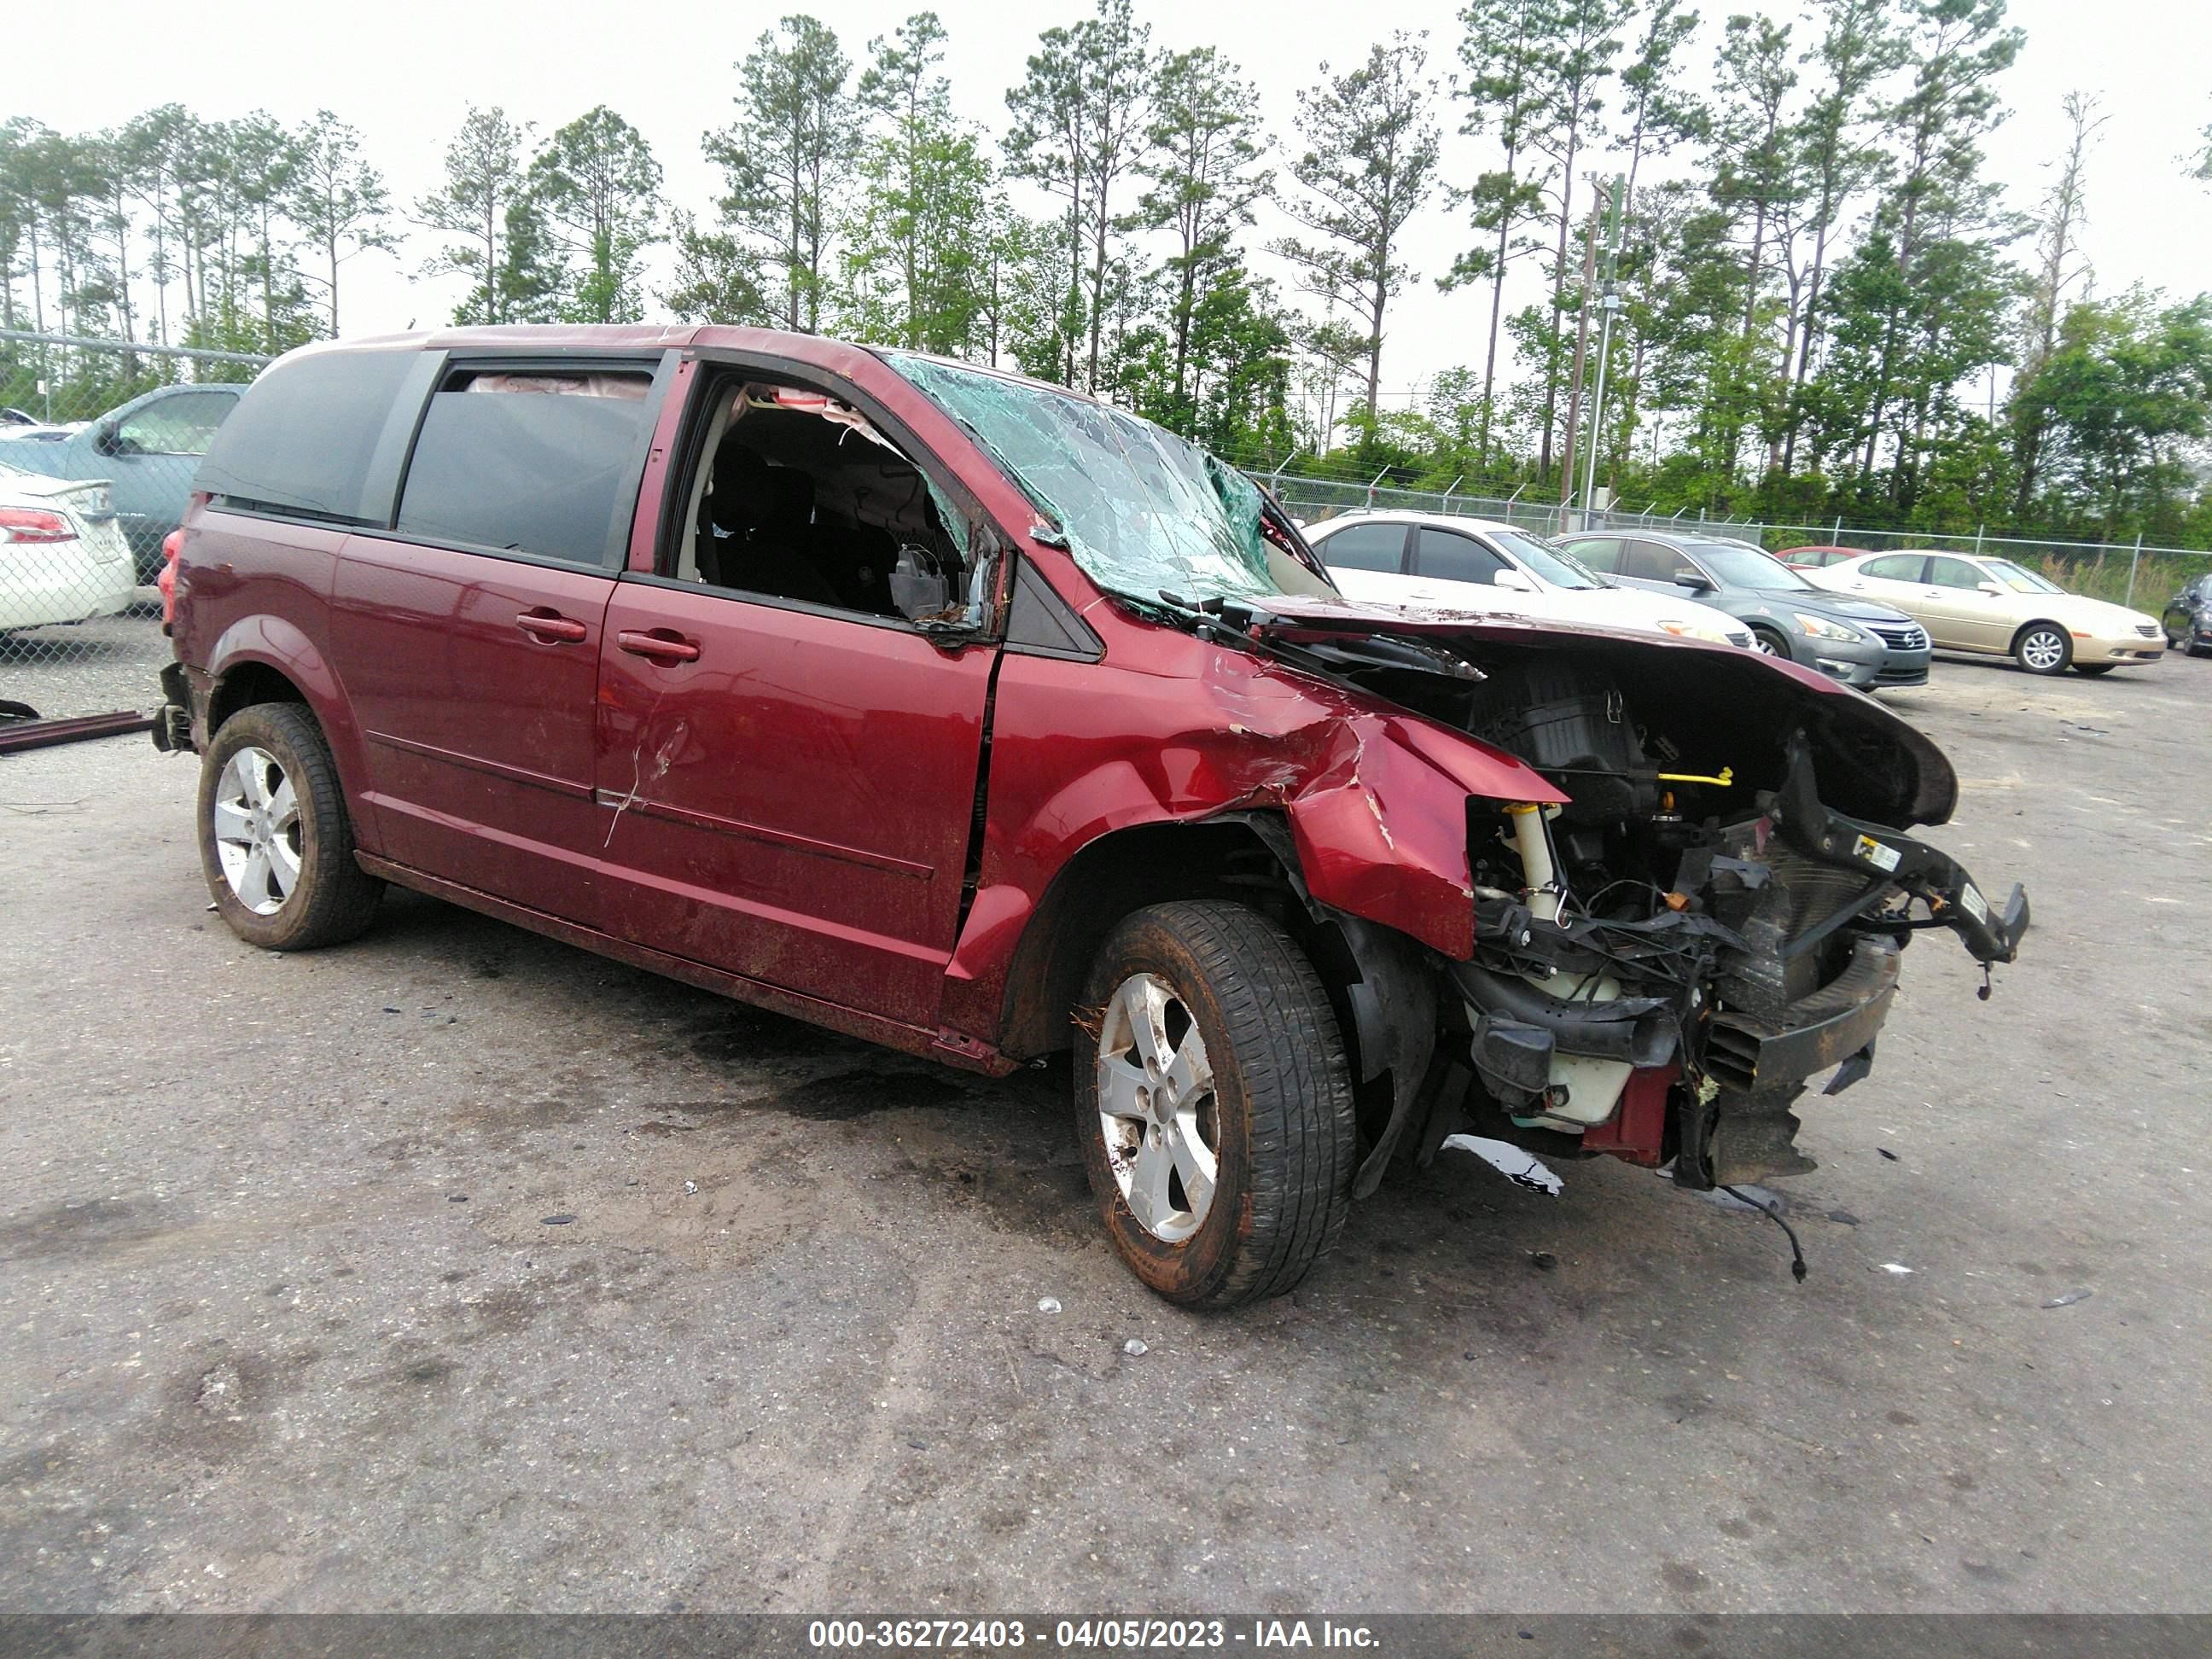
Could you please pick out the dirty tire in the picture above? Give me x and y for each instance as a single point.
(1283, 1114)
(332, 899)
(2043, 647)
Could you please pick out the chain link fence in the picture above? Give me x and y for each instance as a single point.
(2126, 572)
(99, 443)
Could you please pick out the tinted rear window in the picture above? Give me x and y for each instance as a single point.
(1364, 547)
(527, 463)
(303, 436)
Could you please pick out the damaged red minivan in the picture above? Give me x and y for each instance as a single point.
(973, 717)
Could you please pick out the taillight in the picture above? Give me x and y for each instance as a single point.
(30, 524)
(171, 545)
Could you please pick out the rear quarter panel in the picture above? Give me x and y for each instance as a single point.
(252, 590)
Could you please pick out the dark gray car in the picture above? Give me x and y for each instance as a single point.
(1863, 644)
(149, 450)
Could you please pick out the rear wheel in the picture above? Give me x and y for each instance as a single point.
(275, 839)
(1213, 1104)
(2043, 649)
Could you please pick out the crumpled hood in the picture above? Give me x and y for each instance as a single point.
(1872, 763)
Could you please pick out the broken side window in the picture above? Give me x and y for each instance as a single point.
(798, 497)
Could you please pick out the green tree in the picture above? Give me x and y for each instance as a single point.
(1839, 156)
(1501, 52)
(1368, 164)
(337, 199)
(1755, 179)
(916, 241)
(1081, 127)
(596, 190)
(2059, 266)
(484, 180)
(1579, 54)
(1937, 203)
(1029, 316)
(718, 277)
(1203, 166)
(2125, 392)
(783, 158)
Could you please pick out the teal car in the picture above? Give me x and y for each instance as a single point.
(148, 451)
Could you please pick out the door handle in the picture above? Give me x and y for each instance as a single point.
(550, 626)
(661, 645)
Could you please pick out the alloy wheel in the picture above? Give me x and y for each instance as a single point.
(257, 830)
(1156, 1107)
(2043, 650)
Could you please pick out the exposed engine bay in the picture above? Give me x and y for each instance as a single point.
(1715, 916)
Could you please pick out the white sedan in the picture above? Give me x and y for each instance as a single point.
(62, 555)
(1432, 561)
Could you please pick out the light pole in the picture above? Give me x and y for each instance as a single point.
(1610, 303)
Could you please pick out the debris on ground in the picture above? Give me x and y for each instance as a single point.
(1843, 1218)
(2069, 1298)
(691, 1187)
(1048, 1304)
(1136, 1347)
(1898, 1268)
(561, 1220)
(1520, 1168)
(1542, 1261)
(1886, 1153)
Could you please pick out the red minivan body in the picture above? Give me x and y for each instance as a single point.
(918, 827)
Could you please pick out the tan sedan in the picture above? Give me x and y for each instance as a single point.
(1995, 607)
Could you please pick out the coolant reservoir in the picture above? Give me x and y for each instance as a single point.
(1592, 1087)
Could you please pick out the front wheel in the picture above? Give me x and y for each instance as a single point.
(275, 839)
(1769, 643)
(2043, 649)
(1213, 1104)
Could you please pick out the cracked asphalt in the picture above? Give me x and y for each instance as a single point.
(456, 1269)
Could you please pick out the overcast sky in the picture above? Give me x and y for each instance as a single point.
(404, 71)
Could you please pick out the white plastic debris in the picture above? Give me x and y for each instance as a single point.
(1898, 1268)
(1048, 1304)
(1518, 1167)
(1136, 1347)
(690, 1186)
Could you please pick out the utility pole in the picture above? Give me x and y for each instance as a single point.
(1574, 386)
(1611, 304)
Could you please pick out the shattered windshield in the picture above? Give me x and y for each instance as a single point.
(1143, 510)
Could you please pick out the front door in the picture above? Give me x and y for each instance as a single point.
(786, 791)
(1958, 612)
(150, 460)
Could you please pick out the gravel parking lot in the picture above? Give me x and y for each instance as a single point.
(459, 1270)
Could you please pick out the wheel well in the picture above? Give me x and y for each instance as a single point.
(244, 686)
(1121, 872)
